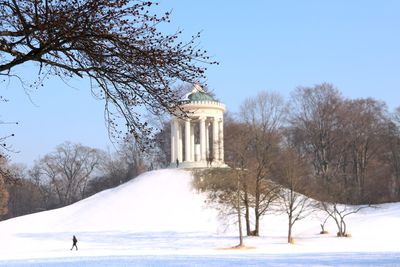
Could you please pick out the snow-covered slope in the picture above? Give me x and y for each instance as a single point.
(155, 201)
(159, 213)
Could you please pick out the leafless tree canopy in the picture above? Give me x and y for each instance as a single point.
(68, 170)
(115, 43)
(70, 173)
(346, 141)
(315, 117)
(118, 168)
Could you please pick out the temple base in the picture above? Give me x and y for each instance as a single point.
(198, 165)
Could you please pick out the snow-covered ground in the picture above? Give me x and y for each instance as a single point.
(157, 219)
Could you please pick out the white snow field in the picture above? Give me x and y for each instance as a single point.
(157, 219)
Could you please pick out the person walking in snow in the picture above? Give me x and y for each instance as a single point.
(74, 241)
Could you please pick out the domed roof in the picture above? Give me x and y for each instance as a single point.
(198, 94)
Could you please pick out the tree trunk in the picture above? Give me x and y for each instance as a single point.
(247, 212)
(240, 225)
(344, 228)
(289, 237)
(257, 225)
(257, 209)
(239, 214)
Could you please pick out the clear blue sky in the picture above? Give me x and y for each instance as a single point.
(261, 45)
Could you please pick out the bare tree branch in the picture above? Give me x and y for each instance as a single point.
(115, 43)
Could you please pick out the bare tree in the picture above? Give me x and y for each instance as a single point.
(223, 192)
(315, 128)
(26, 196)
(160, 154)
(364, 127)
(68, 170)
(394, 154)
(113, 171)
(238, 156)
(292, 173)
(339, 212)
(48, 197)
(134, 158)
(119, 167)
(346, 141)
(262, 117)
(115, 43)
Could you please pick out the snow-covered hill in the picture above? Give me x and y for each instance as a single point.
(155, 201)
(159, 213)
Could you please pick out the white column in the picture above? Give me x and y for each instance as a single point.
(173, 141)
(187, 140)
(202, 139)
(207, 140)
(179, 141)
(221, 140)
(215, 139)
(192, 158)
